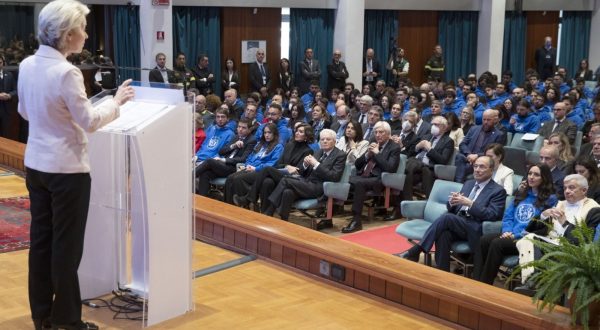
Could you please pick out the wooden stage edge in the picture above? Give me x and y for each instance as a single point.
(12, 154)
(443, 295)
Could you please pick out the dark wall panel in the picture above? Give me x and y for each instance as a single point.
(417, 34)
(539, 25)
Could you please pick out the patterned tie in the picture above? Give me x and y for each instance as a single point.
(370, 166)
(471, 196)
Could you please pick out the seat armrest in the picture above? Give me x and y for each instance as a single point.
(393, 180)
(491, 227)
(444, 172)
(413, 209)
(336, 190)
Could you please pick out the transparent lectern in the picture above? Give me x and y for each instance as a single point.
(139, 229)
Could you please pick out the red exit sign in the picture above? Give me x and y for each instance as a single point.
(160, 2)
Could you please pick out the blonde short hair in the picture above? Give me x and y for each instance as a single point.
(57, 18)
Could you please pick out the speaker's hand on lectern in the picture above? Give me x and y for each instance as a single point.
(124, 93)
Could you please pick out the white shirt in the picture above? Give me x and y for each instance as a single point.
(52, 98)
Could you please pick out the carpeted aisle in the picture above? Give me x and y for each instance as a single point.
(15, 220)
(383, 239)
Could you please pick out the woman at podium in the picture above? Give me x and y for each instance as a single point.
(52, 98)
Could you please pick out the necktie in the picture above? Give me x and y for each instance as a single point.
(370, 166)
(360, 119)
(556, 124)
(471, 196)
(367, 134)
(423, 154)
(323, 156)
(262, 70)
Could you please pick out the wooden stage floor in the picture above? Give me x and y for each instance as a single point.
(254, 295)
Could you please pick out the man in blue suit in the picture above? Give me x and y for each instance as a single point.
(479, 200)
(473, 145)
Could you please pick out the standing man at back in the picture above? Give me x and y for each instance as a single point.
(259, 72)
(336, 73)
(160, 73)
(310, 70)
(545, 59)
(371, 68)
(204, 76)
(8, 90)
(434, 67)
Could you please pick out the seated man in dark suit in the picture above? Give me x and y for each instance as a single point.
(383, 155)
(560, 124)
(474, 143)
(406, 138)
(326, 165)
(479, 200)
(235, 151)
(437, 150)
(549, 155)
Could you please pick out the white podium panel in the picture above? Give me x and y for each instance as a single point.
(139, 230)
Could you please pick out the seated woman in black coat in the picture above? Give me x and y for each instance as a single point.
(291, 159)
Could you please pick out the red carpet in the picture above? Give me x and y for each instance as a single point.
(383, 239)
(14, 224)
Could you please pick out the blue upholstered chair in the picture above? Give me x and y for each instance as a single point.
(516, 181)
(516, 159)
(446, 172)
(394, 181)
(421, 214)
(518, 142)
(334, 191)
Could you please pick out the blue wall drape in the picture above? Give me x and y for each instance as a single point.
(17, 20)
(126, 40)
(311, 28)
(197, 30)
(574, 39)
(381, 27)
(515, 39)
(458, 38)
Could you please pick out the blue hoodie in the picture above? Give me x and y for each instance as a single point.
(527, 124)
(478, 113)
(285, 133)
(544, 113)
(516, 218)
(576, 118)
(261, 159)
(216, 138)
(456, 107)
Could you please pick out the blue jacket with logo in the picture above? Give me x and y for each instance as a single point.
(216, 138)
(517, 217)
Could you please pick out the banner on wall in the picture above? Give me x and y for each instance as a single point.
(249, 48)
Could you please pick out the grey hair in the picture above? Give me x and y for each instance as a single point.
(367, 99)
(383, 124)
(578, 178)
(332, 134)
(57, 18)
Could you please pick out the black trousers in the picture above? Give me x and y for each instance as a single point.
(417, 172)
(264, 184)
(361, 187)
(59, 209)
(489, 255)
(239, 183)
(291, 189)
(208, 170)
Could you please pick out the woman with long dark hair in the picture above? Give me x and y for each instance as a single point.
(535, 194)
(286, 77)
(230, 77)
(352, 142)
(266, 153)
(587, 167)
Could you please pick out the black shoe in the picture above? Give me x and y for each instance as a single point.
(240, 201)
(269, 211)
(324, 224)
(81, 325)
(395, 215)
(354, 225)
(412, 254)
(40, 324)
(527, 289)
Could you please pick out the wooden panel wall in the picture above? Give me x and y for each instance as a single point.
(12, 154)
(539, 25)
(242, 24)
(417, 34)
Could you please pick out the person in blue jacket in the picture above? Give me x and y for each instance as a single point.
(535, 194)
(540, 108)
(573, 114)
(275, 115)
(451, 103)
(217, 136)
(524, 121)
(266, 153)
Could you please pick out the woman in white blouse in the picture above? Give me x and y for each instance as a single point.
(352, 142)
(52, 98)
(502, 174)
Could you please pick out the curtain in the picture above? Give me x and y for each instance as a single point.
(458, 38)
(311, 28)
(515, 39)
(381, 30)
(17, 21)
(197, 30)
(126, 41)
(574, 39)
